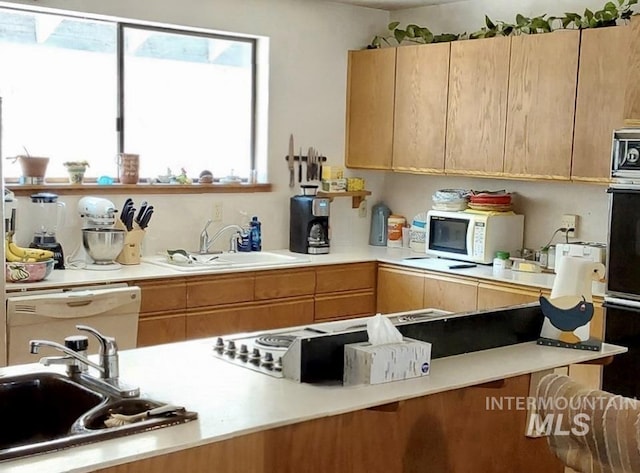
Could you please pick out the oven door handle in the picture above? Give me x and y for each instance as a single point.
(623, 190)
(613, 305)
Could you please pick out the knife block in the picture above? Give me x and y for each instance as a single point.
(131, 250)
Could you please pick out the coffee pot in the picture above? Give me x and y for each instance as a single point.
(309, 223)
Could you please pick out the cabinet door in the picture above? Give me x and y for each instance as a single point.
(452, 294)
(478, 84)
(284, 283)
(249, 317)
(370, 97)
(492, 296)
(420, 121)
(632, 63)
(220, 289)
(541, 106)
(161, 329)
(600, 100)
(399, 290)
(345, 277)
(162, 296)
(342, 305)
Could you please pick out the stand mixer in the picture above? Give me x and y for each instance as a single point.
(100, 241)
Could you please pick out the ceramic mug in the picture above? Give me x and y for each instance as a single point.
(128, 167)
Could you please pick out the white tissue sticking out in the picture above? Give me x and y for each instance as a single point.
(381, 331)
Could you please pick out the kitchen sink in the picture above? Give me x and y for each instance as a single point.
(208, 262)
(45, 411)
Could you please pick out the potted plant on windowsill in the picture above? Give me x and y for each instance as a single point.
(76, 170)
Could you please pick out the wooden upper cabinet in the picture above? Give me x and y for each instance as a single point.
(370, 99)
(422, 75)
(478, 86)
(542, 97)
(632, 89)
(600, 102)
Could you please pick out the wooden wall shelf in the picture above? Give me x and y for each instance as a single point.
(356, 196)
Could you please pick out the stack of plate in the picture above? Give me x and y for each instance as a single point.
(450, 199)
(499, 201)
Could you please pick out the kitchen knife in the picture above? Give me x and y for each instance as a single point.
(125, 210)
(143, 207)
(300, 166)
(130, 216)
(320, 165)
(290, 159)
(309, 163)
(144, 223)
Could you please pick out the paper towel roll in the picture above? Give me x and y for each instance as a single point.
(575, 276)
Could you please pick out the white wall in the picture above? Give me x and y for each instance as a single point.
(541, 203)
(307, 88)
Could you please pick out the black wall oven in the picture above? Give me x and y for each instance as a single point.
(622, 299)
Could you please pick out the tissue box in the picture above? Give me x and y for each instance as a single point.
(334, 185)
(374, 364)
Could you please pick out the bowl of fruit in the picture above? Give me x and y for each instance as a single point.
(27, 264)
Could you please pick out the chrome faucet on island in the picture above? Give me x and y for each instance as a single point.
(206, 242)
(75, 350)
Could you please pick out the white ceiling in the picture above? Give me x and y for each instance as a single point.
(394, 4)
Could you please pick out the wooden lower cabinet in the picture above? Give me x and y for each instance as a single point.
(159, 329)
(162, 311)
(399, 290)
(450, 432)
(345, 291)
(452, 294)
(346, 305)
(249, 317)
(492, 296)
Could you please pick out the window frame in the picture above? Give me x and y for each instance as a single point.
(121, 24)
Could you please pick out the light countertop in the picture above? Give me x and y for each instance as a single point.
(397, 256)
(232, 401)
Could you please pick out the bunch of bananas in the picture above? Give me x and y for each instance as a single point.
(17, 254)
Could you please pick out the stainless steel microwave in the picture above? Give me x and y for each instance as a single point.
(474, 237)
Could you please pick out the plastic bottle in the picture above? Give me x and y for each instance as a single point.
(256, 234)
(501, 261)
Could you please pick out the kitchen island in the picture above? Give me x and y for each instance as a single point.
(251, 422)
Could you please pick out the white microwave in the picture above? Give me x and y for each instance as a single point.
(473, 237)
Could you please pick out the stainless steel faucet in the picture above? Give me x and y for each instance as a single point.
(206, 242)
(77, 362)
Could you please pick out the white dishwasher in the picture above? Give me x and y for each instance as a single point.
(53, 315)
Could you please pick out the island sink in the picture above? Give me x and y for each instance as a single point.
(47, 411)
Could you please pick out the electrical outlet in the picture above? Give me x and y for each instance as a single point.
(217, 212)
(570, 221)
(362, 209)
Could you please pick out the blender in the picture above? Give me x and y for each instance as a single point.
(48, 214)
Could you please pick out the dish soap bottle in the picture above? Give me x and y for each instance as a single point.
(256, 234)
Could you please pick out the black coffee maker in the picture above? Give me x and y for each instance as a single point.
(309, 223)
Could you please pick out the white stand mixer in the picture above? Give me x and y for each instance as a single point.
(101, 243)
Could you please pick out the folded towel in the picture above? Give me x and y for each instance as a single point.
(592, 431)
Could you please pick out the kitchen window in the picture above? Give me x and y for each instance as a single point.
(82, 89)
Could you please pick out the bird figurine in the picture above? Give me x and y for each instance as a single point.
(567, 314)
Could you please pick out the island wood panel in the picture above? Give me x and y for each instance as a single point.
(450, 432)
(600, 100)
(249, 317)
(632, 89)
(214, 290)
(448, 293)
(541, 105)
(492, 296)
(155, 330)
(345, 277)
(162, 295)
(345, 305)
(476, 115)
(399, 290)
(284, 283)
(370, 102)
(420, 116)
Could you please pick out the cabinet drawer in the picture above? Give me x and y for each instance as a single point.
(249, 317)
(161, 329)
(354, 304)
(162, 295)
(345, 277)
(218, 290)
(283, 283)
(452, 294)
